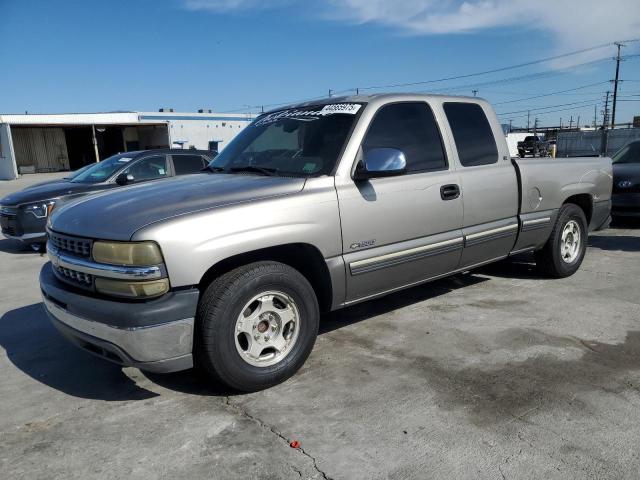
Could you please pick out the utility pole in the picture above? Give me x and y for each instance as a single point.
(571, 122)
(595, 115)
(475, 92)
(615, 85)
(535, 125)
(510, 123)
(605, 113)
(330, 93)
(560, 123)
(604, 144)
(528, 112)
(578, 123)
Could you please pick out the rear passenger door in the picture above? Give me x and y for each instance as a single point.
(401, 230)
(186, 163)
(488, 182)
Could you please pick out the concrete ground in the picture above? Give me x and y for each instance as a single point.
(491, 375)
(8, 186)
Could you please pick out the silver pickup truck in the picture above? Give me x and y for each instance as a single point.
(311, 208)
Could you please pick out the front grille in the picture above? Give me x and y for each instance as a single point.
(74, 245)
(8, 212)
(9, 221)
(72, 276)
(9, 230)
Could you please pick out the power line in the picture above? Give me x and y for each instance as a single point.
(526, 77)
(540, 114)
(468, 75)
(551, 93)
(549, 106)
(485, 72)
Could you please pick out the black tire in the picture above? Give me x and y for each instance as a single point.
(549, 260)
(221, 304)
(521, 154)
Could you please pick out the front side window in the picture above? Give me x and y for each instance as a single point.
(303, 141)
(472, 133)
(630, 153)
(412, 128)
(101, 171)
(148, 168)
(185, 164)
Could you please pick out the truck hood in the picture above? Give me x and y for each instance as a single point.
(118, 214)
(47, 191)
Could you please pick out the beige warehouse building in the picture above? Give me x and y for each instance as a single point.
(58, 142)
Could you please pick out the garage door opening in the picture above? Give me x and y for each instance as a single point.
(54, 149)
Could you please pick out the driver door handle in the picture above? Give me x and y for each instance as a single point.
(449, 192)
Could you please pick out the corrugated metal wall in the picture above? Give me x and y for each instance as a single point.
(43, 148)
(584, 144)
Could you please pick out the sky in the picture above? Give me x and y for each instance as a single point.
(242, 55)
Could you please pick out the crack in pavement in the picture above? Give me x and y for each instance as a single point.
(242, 412)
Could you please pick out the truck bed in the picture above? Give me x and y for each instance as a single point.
(546, 183)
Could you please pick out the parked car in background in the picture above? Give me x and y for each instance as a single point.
(626, 181)
(23, 214)
(310, 208)
(534, 146)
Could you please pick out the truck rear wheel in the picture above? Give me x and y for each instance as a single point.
(256, 325)
(564, 251)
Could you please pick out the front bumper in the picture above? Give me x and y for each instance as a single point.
(22, 226)
(155, 336)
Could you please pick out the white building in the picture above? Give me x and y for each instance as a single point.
(51, 143)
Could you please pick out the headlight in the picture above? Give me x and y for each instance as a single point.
(40, 209)
(122, 253)
(625, 184)
(124, 288)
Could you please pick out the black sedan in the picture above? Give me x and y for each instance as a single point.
(23, 214)
(626, 181)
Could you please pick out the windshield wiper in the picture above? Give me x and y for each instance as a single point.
(255, 169)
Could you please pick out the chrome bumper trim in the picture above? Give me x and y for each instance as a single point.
(142, 344)
(59, 259)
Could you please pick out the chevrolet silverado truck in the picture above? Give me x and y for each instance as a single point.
(311, 208)
(534, 146)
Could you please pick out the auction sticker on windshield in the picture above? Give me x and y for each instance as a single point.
(350, 108)
(309, 113)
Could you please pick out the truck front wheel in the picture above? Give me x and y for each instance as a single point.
(256, 325)
(564, 251)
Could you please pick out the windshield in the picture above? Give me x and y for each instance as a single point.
(300, 141)
(101, 171)
(630, 153)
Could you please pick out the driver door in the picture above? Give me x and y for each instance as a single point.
(401, 230)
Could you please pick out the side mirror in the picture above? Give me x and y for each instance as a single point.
(381, 162)
(124, 179)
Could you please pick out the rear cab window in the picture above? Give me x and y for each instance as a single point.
(472, 134)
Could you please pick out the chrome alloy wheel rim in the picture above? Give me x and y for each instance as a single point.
(267, 328)
(570, 242)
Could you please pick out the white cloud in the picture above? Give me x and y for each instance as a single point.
(572, 24)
